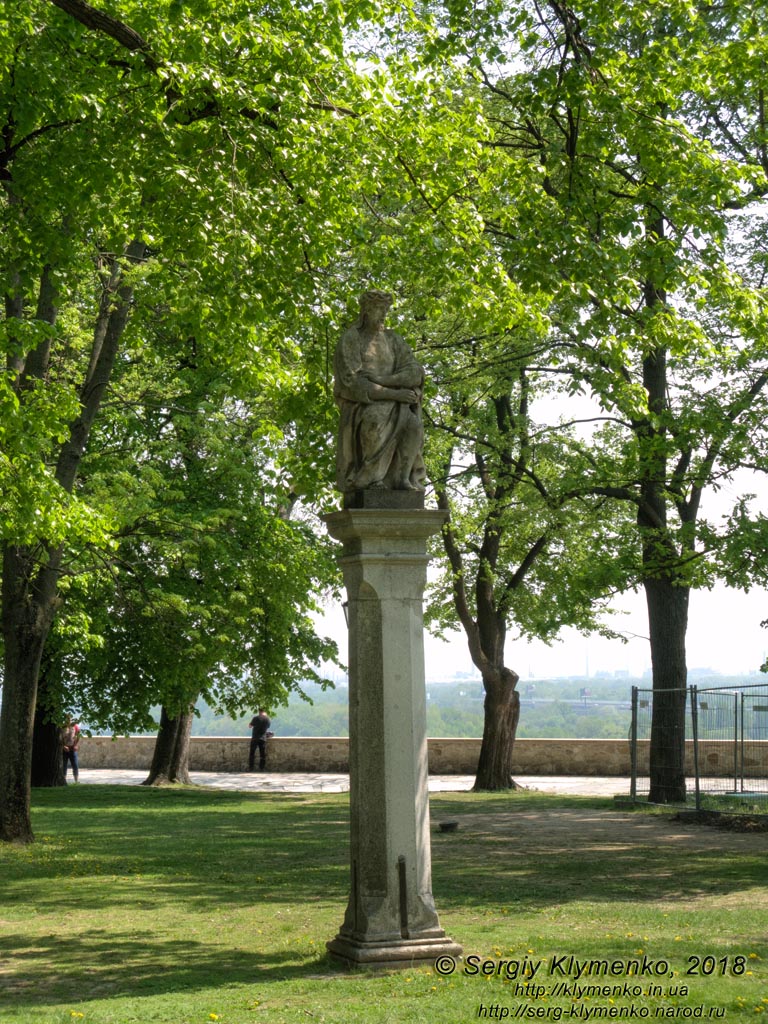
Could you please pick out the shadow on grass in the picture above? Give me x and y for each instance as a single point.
(195, 846)
(96, 965)
(161, 860)
(198, 846)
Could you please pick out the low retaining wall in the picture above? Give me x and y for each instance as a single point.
(717, 758)
(330, 754)
(446, 756)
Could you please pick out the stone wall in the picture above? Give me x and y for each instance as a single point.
(446, 756)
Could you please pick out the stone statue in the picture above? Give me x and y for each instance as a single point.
(378, 388)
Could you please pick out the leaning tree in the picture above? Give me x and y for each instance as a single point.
(518, 561)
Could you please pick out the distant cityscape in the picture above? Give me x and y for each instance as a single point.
(622, 675)
(572, 707)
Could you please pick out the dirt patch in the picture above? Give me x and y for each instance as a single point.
(728, 822)
(540, 832)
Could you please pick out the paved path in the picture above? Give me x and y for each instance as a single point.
(307, 782)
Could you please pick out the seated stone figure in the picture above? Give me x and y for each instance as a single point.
(378, 388)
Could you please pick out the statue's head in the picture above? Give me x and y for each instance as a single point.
(375, 300)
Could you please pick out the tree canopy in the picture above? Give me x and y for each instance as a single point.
(188, 166)
(601, 185)
(568, 203)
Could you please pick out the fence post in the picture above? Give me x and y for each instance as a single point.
(736, 742)
(695, 730)
(741, 744)
(633, 746)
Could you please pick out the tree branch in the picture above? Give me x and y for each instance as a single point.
(106, 24)
(522, 571)
(95, 386)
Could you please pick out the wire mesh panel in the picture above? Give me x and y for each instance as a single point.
(673, 746)
(754, 743)
(725, 747)
(717, 734)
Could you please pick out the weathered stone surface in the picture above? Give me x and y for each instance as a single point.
(400, 953)
(381, 498)
(378, 387)
(391, 917)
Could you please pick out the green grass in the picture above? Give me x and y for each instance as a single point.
(746, 803)
(190, 905)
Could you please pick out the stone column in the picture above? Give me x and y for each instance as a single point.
(391, 918)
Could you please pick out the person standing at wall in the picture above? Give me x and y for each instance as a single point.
(70, 739)
(260, 733)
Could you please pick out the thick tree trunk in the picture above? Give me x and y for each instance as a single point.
(668, 623)
(502, 713)
(28, 605)
(29, 588)
(47, 759)
(170, 761)
(667, 604)
(16, 723)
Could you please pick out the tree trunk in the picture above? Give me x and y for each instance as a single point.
(29, 588)
(668, 623)
(170, 761)
(486, 634)
(28, 605)
(47, 760)
(502, 713)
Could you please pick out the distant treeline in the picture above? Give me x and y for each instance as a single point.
(550, 709)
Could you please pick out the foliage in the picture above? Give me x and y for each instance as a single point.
(570, 199)
(606, 200)
(549, 709)
(323, 714)
(212, 580)
(174, 180)
(580, 708)
(647, 235)
(601, 180)
(238, 145)
(508, 475)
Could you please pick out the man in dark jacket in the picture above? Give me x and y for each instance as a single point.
(259, 726)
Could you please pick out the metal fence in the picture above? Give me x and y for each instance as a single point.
(725, 743)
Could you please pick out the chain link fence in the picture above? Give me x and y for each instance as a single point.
(723, 753)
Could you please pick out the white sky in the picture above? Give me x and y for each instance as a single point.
(724, 634)
(724, 631)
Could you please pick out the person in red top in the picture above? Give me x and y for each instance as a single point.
(70, 738)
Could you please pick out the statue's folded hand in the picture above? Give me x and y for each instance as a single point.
(407, 395)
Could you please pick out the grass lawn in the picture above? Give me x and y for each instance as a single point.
(186, 906)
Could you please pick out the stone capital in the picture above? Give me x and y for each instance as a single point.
(388, 531)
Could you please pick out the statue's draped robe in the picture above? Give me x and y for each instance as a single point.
(371, 431)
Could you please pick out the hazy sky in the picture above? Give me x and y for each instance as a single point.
(724, 631)
(724, 634)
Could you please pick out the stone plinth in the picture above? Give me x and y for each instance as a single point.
(391, 918)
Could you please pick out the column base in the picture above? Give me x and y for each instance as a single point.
(403, 953)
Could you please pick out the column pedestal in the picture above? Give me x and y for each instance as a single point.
(391, 918)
